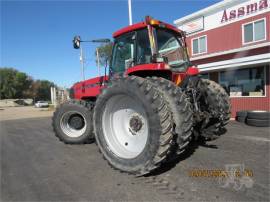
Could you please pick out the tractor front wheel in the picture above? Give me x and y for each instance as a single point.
(133, 125)
(72, 122)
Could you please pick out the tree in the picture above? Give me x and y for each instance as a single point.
(22, 82)
(42, 89)
(15, 84)
(105, 51)
(7, 84)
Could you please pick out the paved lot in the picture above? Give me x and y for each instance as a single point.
(35, 166)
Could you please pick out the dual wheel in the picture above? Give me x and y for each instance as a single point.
(135, 123)
(138, 123)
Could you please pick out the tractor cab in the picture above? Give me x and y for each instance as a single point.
(149, 42)
(145, 49)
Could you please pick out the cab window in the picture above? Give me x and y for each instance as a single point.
(143, 50)
(170, 47)
(123, 53)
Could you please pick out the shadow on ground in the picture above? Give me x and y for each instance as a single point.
(172, 162)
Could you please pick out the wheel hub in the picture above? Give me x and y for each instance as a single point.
(125, 126)
(76, 122)
(135, 124)
(73, 123)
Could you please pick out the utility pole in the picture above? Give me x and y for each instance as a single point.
(52, 96)
(98, 63)
(130, 23)
(82, 63)
(129, 12)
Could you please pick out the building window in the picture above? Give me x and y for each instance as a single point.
(199, 45)
(254, 31)
(244, 82)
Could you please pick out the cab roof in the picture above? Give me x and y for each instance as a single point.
(142, 25)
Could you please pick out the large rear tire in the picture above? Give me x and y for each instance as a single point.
(133, 125)
(181, 110)
(73, 122)
(215, 101)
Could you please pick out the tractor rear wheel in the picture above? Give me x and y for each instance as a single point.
(133, 125)
(215, 101)
(72, 122)
(181, 110)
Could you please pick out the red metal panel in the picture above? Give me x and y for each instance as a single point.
(192, 71)
(88, 88)
(94, 80)
(141, 25)
(91, 92)
(229, 36)
(145, 67)
(129, 29)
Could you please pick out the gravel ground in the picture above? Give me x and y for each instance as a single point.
(35, 166)
(12, 113)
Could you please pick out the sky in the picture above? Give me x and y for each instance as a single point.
(36, 36)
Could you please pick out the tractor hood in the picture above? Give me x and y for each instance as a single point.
(87, 88)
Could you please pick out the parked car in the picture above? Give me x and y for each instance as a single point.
(40, 104)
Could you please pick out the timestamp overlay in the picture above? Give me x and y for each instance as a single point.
(235, 176)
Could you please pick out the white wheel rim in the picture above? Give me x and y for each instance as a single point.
(67, 127)
(125, 126)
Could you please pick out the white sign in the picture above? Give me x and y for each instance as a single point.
(194, 26)
(251, 7)
(230, 12)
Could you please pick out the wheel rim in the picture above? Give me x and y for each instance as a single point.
(125, 126)
(73, 124)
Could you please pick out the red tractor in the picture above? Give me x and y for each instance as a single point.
(150, 106)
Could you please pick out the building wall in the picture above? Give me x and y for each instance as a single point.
(222, 24)
(228, 37)
(213, 17)
(240, 54)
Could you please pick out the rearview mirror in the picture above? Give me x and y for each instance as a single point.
(76, 42)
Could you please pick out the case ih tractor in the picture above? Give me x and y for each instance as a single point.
(149, 107)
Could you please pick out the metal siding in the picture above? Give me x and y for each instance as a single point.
(229, 36)
(235, 55)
